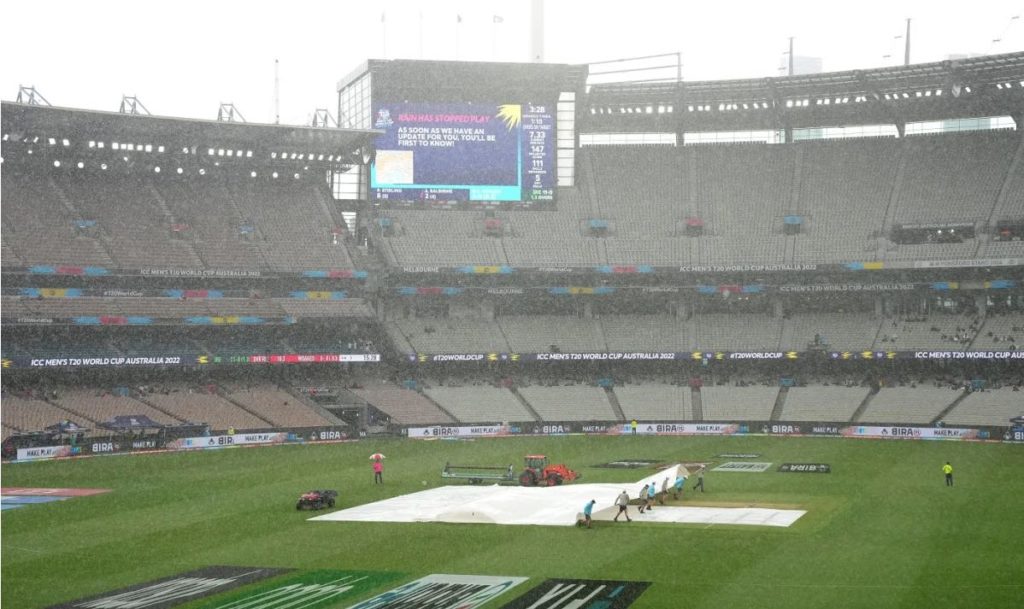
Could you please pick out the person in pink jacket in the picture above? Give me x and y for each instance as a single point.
(378, 471)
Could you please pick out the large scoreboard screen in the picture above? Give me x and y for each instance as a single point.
(464, 152)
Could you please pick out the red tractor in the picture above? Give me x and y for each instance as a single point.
(538, 472)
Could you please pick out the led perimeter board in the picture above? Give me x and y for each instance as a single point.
(464, 151)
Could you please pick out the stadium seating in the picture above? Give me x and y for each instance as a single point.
(480, 404)
(286, 224)
(194, 406)
(848, 193)
(538, 333)
(918, 405)
(730, 403)
(835, 331)
(844, 191)
(279, 408)
(100, 406)
(954, 178)
(39, 229)
(721, 331)
(822, 403)
(1001, 333)
(990, 407)
(936, 332)
(655, 402)
(646, 333)
(569, 403)
(452, 335)
(28, 414)
(404, 406)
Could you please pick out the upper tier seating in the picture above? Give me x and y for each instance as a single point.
(849, 194)
(222, 223)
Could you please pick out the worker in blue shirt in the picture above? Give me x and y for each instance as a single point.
(587, 510)
(677, 488)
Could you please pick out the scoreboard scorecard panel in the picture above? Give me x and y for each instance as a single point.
(464, 152)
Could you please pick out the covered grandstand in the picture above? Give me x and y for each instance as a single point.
(856, 280)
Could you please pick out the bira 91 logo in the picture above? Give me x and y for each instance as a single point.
(904, 432)
(806, 468)
(329, 435)
(105, 447)
(551, 429)
(781, 429)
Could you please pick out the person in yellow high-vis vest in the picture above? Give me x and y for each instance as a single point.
(948, 470)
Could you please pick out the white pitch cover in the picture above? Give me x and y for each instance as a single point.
(548, 506)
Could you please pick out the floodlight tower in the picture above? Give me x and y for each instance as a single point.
(230, 114)
(30, 96)
(130, 104)
(906, 45)
(537, 31)
(323, 118)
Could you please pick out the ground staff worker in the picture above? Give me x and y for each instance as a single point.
(587, 511)
(700, 480)
(948, 470)
(623, 502)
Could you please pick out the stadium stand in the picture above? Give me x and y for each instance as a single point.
(722, 331)
(275, 406)
(822, 403)
(100, 406)
(655, 402)
(480, 404)
(199, 406)
(841, 331)
(538, 333)
(404, 406)
(954, 177)
(130, 220)
(30, 414)
(208, 208)
(907, 405)
(39, 229)
(935, 332)
(643, 333)
(730, 403)
(631, 205)
(1001, 333)
(569, 403)
(832, 174)
(451, 335)
(989, 407)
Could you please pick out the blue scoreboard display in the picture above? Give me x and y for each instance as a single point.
(464, 152)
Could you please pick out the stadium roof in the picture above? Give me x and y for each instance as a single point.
(972, 87)
(466, 80)
(23, 120)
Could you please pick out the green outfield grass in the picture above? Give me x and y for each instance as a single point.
(881, 531)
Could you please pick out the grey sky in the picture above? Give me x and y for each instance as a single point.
(185, 57)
